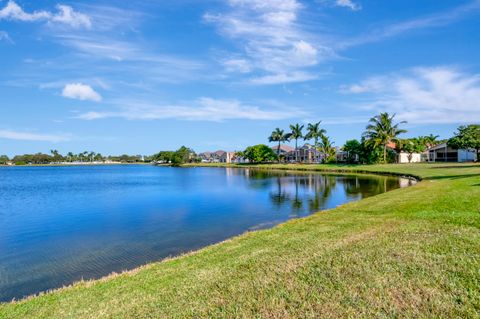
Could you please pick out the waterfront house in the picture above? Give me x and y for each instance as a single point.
(305, 154)
(343, 157)
(227, 157)
(217, 156)
(232, 157)
(221, 157)
(282, 150)
(445, 153)
(205, 157)
(404, 157)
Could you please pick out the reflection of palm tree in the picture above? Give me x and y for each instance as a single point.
(280, 197)
(323, 192)
(296, 202)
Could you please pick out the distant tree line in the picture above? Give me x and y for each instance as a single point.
(83, 157)
(181, 156)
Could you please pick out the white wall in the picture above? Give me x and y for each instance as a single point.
(403, 158)
(466, 156)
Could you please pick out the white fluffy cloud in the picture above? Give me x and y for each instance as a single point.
(81, 91)
(28, 136)
(203, 109)
(274, 44)
(348, 4)
(65, 15)
(424, 95)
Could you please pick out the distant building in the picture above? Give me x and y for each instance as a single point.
(217, 156)
(344, 156)
(445, 153)
(221, 157)
(205, 157)
(227, 157)
(282, 150)
(404, 157)
(305, 154)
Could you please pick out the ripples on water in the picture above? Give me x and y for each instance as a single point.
(61, 224)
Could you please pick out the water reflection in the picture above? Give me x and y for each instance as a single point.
(304, 193)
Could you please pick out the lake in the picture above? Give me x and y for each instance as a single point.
(61, 224)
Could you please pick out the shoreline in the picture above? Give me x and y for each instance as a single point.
(74, 164)
(440, 173)
(315, 168)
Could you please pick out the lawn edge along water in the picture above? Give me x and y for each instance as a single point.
(108, 298)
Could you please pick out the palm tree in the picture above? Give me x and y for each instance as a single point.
(278, 136)
(314, 132)
(430, 140)
(382, 131)
(98, 157)
(327, 148)
(70, 156)
(296, 134)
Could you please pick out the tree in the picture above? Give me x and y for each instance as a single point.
(4, 159)
(382, 131)
(98, 157)
(259, 154)
(326, 147)
(70, 156)
(296, 134)
(314, 132)
(411, 146)
(430, 140)
(278, 136)
(183, 155)
(353, 149)
(467, 137)
(57, 157)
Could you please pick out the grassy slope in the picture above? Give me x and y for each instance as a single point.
(410, 252)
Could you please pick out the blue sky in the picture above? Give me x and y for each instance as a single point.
(142, 76)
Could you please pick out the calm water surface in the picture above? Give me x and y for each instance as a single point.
(61, 224)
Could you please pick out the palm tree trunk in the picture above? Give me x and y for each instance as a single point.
(278, 151)
(385, 154)
(296, 151)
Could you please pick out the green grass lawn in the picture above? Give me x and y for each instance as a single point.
(412, 252)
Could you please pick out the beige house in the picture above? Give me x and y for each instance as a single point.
(305, 154)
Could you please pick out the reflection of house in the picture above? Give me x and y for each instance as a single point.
(306, 154)
(445, 153)
(282, 150)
